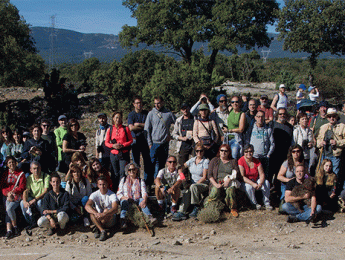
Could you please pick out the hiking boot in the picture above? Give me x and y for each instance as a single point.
(173, 209)
(86, 222)
(291, 219)
(234, 212)
(50, 232)
(97, 233)
(9, 234)
(103, 236)
(268, 207)
(16, 232)
(178, 216)
(257, 206)
(152, 220)
(195, 212)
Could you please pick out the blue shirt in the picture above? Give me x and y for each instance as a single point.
(134, 117)
(196, 170)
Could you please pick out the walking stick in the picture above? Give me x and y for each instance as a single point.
(319, 162)
(142, 215)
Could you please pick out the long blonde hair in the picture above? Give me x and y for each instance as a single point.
(320, 174)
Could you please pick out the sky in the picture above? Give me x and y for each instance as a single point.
(86, 16)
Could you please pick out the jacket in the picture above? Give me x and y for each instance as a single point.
(53, 201)
(339, 133)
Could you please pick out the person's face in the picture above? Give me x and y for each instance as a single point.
(132, 171)
(299, 172)
(12, 164)
(296, 153)
(248, 153)
(235, 103)
(222, 102)
(96, 166)
(25, 138)
(260, 118)
(102, 186)
(323, 110)
(224, 153)
(303, 121)
(185, 111)
(292, 121)
(45, 127)
(35, 170)
(282, 90)
(332, 119)
(102, 120)
(282, 115)
(327, 167)
(79, 163)
(204, 113)
(16, 137)
(301, 90)
(74, 127)
(4, 135)
(252, 105)
(158, 104)
(117, 119)
(138, 104)
(199, 152)
(55, 183)
(76, 176)
(263, 101)
(171, 162)
(36, 133)
(63, 122)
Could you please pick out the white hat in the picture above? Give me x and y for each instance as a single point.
(281, 86)
(331, 111)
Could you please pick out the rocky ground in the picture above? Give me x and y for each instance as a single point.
(254, 235)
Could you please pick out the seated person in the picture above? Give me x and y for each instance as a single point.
(198, 167)
(79, 160)
(295, 214)
(167, 183)
(79, 189)
(13, 184)
(102, 207)
(132, 189)
(223, 187)
(254, 177)
(55, 205)
(37, 184)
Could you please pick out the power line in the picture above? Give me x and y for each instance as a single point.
(265, 54)
(52, 39)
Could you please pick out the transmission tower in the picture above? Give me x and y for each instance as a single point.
(87, 55)
(52, 39)
(265, 54)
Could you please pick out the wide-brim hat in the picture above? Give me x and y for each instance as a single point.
(203, 107)
(332, 111)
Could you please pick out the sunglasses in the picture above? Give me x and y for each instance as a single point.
(131, 169)
(171, 161)
(74, 125)
(222, 101)
(236, 102)
(224, 151)
(45, 125)
(199, 151)
(296, 151)
(281, 114)
(249, 151)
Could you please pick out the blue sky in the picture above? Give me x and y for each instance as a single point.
(86, 16)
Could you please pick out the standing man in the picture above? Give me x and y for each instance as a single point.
(51, 138)
(250, 114)
(280, 100)
(157, 126)
(220, 115)
(183, 133)
(136, 124)
(320, 119)
(102, 152)
(265, 107)
(59, 134)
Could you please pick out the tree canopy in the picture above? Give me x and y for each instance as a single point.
(178, 24)
(19, 62)
(313, 26)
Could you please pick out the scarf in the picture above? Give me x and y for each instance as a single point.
(137, 188)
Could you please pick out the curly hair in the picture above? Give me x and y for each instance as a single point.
(291, 163)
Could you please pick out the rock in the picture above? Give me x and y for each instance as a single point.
(102, 257)
(213, 232)
(155, 243)
(28, 239)
(83, 237)
(62, 242)
(293, 246)
(339, 231)
(188, 240)
(177, 243)
(205, 237)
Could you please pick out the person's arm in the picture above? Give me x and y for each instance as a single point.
(241, 126)
(196, 132)
(65, 203)
(261, 176)
(120, 192)
(282, 173)
(204, 176)
(274, 102)
(45, 190)
(112, 211)
(89, 207)
(320, 138)
(313, 204)
(129, 137)
(289, 198)
(143, 194)
(108, 139)
(65, 148)
(148, 129)
(272, 143)
(134, 126)
(21, 185)
(194, 110)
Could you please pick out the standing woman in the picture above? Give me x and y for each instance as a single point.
(13, 184)
(73, 141)
(119, 140)
(221, 187)
(236, 125)
(205, 132)
(7, 143)
(18, 146)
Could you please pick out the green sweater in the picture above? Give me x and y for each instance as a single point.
(60, 133)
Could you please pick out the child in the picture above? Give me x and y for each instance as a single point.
(326, 181)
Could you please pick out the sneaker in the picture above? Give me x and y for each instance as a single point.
(195, 212)
(173, 209)
(86, 222)
(291, 219)
(50, 232)
(268, 207)
(234, 212)
(152, 220)
(258, 206)
(123, 224)
(16, 232)
(9, 234)
(97, 233)
(103, 236)
(178, 216)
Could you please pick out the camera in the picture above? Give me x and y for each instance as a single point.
(305, 144)
(113, 141)
(204, 100)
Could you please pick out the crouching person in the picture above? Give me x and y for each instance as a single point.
(102, 207)
(132, 189)
(306, 211)
(55, 205)
(167, 183)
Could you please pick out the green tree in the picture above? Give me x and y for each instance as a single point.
(18, 63)
(313, 26)
(178, 24)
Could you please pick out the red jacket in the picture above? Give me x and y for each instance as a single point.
(9, 180)
(118, 133)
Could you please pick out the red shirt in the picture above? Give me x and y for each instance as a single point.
(250, 173)
(268, 111)
(120, 136)
(8, 181)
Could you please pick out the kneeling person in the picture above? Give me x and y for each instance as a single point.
(102, 207)
(55, 204)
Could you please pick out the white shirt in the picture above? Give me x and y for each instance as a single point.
(103, 202)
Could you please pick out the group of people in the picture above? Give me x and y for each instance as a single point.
(220, 151)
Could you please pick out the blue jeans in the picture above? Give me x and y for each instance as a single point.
(159, 154)
(125, 204)
(291, 210)
(235, 148)
(29, 218)
(10, 209)
(118, 163)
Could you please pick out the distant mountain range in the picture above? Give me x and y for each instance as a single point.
(73, 47)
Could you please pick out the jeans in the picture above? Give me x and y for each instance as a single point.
(141, 147)
(291, 210)
(62, 219)
(250, 191)
(10, 210)
(29, 218)
(159, 154)
(125, 204)
(118, 163)
(235, 148)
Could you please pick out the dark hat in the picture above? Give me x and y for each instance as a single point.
(26, 134)
(101, 115)
(184, 105)
(264, 96)
(62, 117)
(323, 104)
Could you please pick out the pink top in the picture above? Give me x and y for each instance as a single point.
(120, 136)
